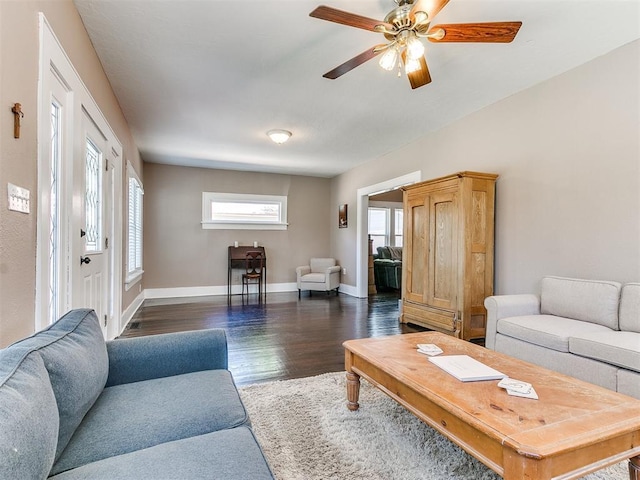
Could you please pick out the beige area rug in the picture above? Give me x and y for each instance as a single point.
(307, 433)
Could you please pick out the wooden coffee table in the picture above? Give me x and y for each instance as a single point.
(573, 429)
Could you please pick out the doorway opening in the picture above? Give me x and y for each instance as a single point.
(385, 226)
(362, 227)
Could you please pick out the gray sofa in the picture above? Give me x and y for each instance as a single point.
(73, 406)
(584, 328)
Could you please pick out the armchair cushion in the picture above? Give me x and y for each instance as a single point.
(320, 265)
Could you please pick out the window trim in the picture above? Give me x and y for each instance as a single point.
(208, 223)
(135, 275)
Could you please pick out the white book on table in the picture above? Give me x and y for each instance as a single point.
(465, 368)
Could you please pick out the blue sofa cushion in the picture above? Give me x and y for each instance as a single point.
(75, 355)
(226, 455)
(133, 416)
(28, 415)
(167, 354)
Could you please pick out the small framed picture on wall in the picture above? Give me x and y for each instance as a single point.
(342, 216)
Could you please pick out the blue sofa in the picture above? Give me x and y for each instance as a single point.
(73, 406)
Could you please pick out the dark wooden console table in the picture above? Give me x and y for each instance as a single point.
(237, 258)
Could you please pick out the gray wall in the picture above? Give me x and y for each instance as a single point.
(568, 155)
(179, 253)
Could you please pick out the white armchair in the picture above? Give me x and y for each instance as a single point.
(322, 274)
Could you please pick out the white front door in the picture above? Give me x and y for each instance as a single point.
(92, 188)
(79, 197)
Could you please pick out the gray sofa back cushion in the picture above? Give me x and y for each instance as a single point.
(587, 300)
(391, 253)
(75, 355)
(28, 415)
(630, 308)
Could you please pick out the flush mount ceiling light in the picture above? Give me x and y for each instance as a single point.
(279, 136)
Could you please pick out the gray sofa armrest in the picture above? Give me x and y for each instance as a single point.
(503, 306)
(157, 356)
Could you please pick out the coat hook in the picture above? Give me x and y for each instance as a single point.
(17, 115)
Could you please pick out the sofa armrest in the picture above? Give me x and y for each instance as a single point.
(334, 269)
(503, 306)
(157, 356)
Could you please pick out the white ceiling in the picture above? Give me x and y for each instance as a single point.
(200, 82)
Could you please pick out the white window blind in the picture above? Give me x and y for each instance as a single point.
(134, 245)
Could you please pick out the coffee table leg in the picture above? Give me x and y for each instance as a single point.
(634, 468)
(353, 391)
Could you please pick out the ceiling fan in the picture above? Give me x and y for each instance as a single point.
(403, 27)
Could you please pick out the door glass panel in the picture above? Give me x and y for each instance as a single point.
(54, 239)
(93, 198)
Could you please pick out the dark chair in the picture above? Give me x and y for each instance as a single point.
(254, 262)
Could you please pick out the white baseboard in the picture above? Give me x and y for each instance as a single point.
(349, 290)
(130, 311)
(180, 292)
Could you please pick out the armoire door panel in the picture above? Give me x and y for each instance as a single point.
(478, 287)
(479, 218)
(416, 250)
(441, 280)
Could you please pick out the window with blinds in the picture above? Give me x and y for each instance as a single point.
(134, 243)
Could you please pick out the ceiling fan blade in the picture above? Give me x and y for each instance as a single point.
(354, 62)
(430, 7)
(419, 77)
(345, 18)
(492, 32)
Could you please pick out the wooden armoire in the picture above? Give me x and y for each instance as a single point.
(447, 264)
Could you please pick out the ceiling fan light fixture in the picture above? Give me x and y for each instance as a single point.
(279, 136)
(389, 59)
(415, 48)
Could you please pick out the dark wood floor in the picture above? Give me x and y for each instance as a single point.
(281, 338)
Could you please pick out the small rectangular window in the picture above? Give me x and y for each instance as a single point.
(134, 241)
(243, 211)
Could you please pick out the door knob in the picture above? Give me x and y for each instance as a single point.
(84, 260)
